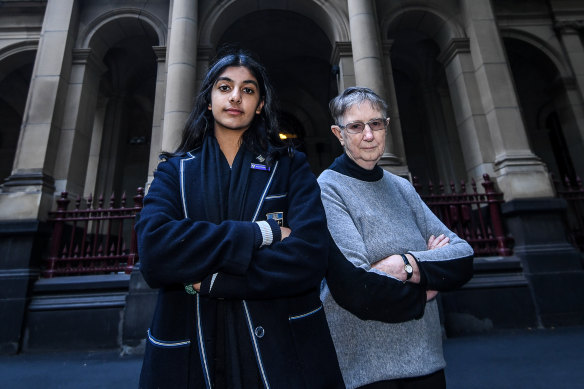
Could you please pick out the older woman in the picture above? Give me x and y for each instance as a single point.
(397, 254)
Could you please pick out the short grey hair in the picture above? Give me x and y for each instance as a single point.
(352, 96)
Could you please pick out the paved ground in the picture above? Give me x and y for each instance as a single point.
(520, 359)
(530, 359)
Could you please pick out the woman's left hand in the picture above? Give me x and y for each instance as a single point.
(437, 242)
(434, 243)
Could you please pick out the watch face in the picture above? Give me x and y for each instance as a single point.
(409, 268)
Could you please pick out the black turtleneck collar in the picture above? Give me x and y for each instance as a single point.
(345, 165)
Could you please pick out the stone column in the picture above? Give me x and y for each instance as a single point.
(26, 196)
(520, 174)
(534, 218)
(572, 121)
(569, 32)
(394, 158)
(31, 183)
(550, 265)
(158, 115)
(569, 35)
(342, 57)
(204, 58)
(181, 71)
(471, 120)
(91, 175)
(367, 55)
(77, 130)
(109, 169)
(369, 61)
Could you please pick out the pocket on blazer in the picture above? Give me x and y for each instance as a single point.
(166, 363)
(315, 348)
(275, 207)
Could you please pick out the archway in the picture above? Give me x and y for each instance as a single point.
(122, 125)
(432, 145)
(15, 76)
(550, 126)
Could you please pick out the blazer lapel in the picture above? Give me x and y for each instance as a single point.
(189, 179)
(246, 203)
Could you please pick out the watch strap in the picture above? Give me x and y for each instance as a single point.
(407, 265)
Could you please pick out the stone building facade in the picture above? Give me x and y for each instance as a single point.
(91, 91)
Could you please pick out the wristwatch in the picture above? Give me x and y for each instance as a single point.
(407, 267)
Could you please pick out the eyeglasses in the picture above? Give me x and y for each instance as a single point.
(376, 124)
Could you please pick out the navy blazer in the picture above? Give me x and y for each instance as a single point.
(278, 285)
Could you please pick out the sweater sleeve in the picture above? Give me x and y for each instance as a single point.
(342, 228)
(174, 249)
(371, 296)
(445, 268)
(291, 266)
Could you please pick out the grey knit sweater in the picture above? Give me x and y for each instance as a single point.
(371, 215)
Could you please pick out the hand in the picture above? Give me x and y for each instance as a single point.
(441, 241)
(197, 286)
(394, 266)
(431, 294)
(285, 232)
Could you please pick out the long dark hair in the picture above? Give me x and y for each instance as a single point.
(261, 136)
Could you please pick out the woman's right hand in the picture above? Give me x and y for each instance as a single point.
(285, 232)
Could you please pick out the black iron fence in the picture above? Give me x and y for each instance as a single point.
(475, 217)
(93, 239)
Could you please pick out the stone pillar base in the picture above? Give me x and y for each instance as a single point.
(26, 196)
(75, 313)
(497, 297)
(138, 313)
(523, 177)
(21, 245)
(551, 265)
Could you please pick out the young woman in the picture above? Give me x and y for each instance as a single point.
(231, 232)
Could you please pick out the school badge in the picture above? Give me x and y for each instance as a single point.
(277, 216)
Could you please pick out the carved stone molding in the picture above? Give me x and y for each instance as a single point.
(455, 47)
(569, 26)
(205, 52)
(87, 57)
(160, 52)
(341, 49)
(386, 47)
